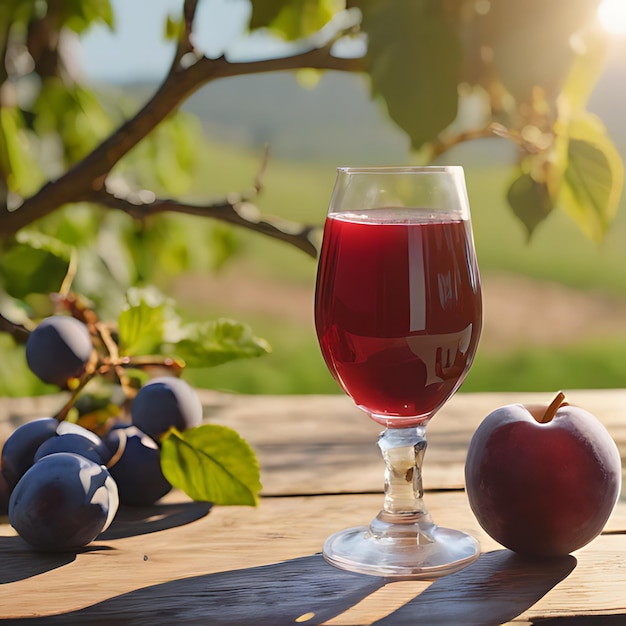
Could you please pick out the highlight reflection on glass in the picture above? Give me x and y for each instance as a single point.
(398, 316)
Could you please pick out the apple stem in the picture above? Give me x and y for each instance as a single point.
(555, 405)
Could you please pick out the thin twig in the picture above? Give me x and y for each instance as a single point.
(258, 179)
(443, 144)
(17, 331)
(236, 211)
(185, 44)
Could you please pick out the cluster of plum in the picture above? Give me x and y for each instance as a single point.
(65, 481)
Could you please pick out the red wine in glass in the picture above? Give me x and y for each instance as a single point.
(399, 311)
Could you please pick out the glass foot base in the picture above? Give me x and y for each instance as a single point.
(429, 552)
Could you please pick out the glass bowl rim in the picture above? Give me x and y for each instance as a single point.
(400, 169)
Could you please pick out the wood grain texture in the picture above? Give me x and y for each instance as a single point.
(191, 563)
(235, 565)
(324, 444)
(329, 446)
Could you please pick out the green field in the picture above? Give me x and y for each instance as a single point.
(557, 252)
(269, 285)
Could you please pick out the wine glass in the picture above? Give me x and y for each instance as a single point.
(398, 315)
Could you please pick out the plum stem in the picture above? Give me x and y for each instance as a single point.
(120, 449)
(555, 405)
(75, 392)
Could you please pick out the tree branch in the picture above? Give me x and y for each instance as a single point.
(88, 176)
(185, 45)
(443, 144)
(237, 211)
(17, 331)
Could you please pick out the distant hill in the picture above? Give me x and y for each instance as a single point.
(337, 120)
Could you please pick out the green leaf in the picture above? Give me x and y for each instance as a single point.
(293, 19)
(141, 324)
(584, 72)
(174, 28)
(212, 343)
(17, 163)
(17, 12)
(264, 13)
(532, 43)
(223, 244)
(72, 112)
(308, 78)
(76, 224)
(593, 179)
(414, 60)
(34, 263)
(211, 463)
(79, 15)
(171, 151)
(530, 201)
(11, 161)
(16, 379)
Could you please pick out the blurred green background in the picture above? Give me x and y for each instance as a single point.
(555, 306)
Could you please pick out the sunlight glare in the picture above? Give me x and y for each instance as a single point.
(612, 16)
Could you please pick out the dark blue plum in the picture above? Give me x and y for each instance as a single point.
(63, 502)
(165, 402)
(5, 493)
(69, 428)
(136, 466)
(19, 449)
(70, 442)
(59, 349)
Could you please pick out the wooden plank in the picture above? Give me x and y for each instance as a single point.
(237, 565)
(502, 588)
(192, 557)
(329, 445)
(324, 444)
(495, 589)
(182, 560)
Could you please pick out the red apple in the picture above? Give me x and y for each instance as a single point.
(542, 480)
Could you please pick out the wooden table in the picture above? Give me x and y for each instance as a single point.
(187, 563)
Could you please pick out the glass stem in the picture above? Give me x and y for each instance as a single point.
(403, 451)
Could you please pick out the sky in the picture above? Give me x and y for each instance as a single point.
(137, 49)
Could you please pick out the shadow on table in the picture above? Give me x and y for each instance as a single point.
(19, 561)
(133, 521)
(495, 589)
(305, 589)
(582, 620)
